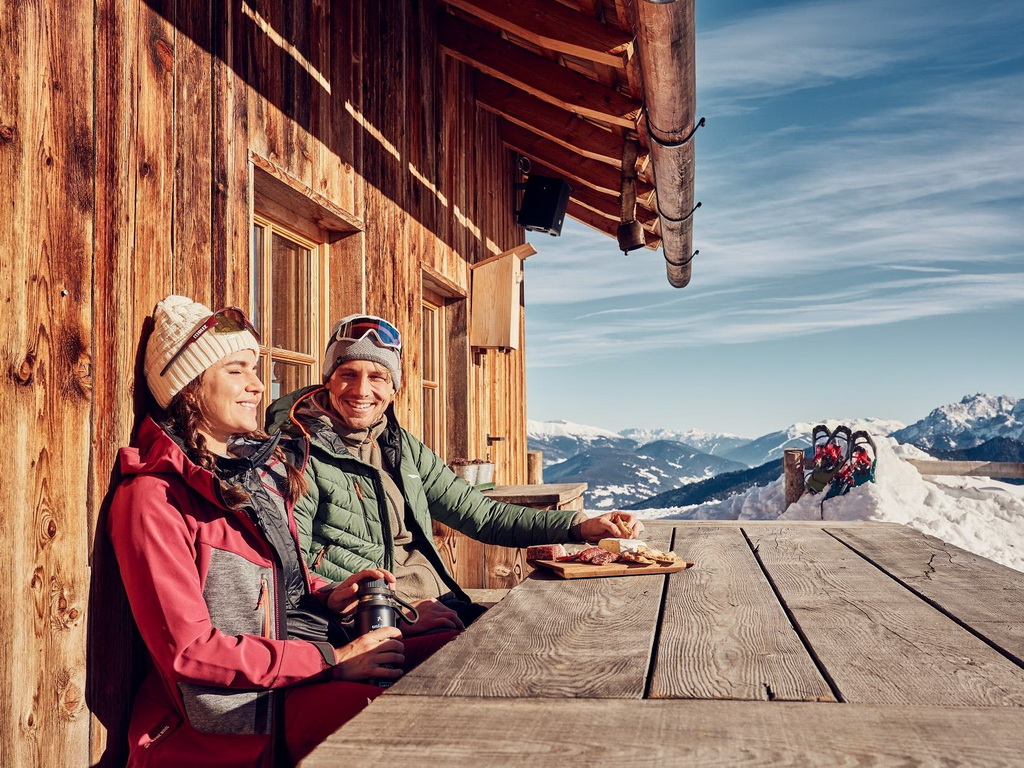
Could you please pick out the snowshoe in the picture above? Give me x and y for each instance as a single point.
(863, 458)
(859, 469)
(829, 458)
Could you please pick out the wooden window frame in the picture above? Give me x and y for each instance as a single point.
(436, 303)
(303, 235)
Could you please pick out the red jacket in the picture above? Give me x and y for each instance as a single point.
(202, 584)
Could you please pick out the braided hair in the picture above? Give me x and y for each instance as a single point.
(185, 414)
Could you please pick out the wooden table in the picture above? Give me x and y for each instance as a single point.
(809, 643)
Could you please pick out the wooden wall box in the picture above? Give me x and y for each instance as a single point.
(496, 307)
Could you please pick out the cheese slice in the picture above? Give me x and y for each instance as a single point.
(621, 545)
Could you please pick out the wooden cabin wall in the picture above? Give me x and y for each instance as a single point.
(128, 131)
(47, 122)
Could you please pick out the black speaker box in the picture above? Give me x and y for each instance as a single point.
(543, 206)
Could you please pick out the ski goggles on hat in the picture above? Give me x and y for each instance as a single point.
(227, 320)
(383, 333)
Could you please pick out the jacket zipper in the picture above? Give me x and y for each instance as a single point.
(264, 602)
(319, 558)
(156, 738)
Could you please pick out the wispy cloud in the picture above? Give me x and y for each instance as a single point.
(908, 197)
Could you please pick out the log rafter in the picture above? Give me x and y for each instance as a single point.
(608, 206)
(596, 175)
(554, 27)
(536, 75)
(607, 226)
(551, 122)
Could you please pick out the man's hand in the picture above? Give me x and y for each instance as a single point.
(611, 525)
(343, 597)
(434, 616)
(363, 658)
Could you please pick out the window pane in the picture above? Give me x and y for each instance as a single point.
(429, 344)
(287, 377)
(256, 278)
(290, 293)
(430, 436)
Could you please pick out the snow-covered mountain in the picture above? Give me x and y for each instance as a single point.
(617, 476)
(976, 419)
(713, 443)
(561, 440)
(771, 446)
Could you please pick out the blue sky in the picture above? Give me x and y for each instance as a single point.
(861, 235)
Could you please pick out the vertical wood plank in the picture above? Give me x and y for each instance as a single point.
(193, 151)
(124, 294)
(154, 188)
(46, 235)
(232, 64)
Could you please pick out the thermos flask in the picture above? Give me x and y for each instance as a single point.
(378, 607)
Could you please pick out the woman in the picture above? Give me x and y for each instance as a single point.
(203, 531)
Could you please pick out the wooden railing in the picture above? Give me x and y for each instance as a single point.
(968, 468)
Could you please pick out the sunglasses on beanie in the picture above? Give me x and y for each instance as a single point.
(227, 320)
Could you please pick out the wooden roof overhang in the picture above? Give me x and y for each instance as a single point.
(599, 92)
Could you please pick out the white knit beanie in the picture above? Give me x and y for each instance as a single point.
(174, 320)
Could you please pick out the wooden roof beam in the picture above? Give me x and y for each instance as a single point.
(607, 226)
(534, 74)
(596, 175)
(551, 122)
(555, 27)
(609, 207)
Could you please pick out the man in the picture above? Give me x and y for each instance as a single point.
(374, 488)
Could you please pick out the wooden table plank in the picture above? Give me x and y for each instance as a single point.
(552, 637)
(540, 733)
(879, 643)
(724, 634)
(987, 596)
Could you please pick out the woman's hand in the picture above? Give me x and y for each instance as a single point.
(363, 658)
(607, 526)
(434, 615)
(343, 597)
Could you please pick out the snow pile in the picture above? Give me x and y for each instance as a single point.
(978, 514)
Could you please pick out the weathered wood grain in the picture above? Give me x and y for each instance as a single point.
(879, 643)
(539, 733)
(47, 124)
(724, 634)
(193, 152)
(552, 638)
(986, 596)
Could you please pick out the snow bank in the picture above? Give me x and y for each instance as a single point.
(980, 515)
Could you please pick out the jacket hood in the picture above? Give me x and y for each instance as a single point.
(279, 414)
(156, 453)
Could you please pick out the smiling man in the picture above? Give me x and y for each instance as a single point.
(374, 489)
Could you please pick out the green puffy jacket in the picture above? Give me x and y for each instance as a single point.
(343, 521)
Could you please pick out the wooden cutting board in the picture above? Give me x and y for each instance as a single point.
(588, 571)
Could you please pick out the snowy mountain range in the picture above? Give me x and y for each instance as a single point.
(976, 419)
(622, 469)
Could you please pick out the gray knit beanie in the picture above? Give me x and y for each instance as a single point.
(174, 321)
(339, 352)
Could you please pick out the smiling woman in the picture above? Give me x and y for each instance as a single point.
(202, 525)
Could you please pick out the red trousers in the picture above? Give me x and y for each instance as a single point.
(314, 712)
